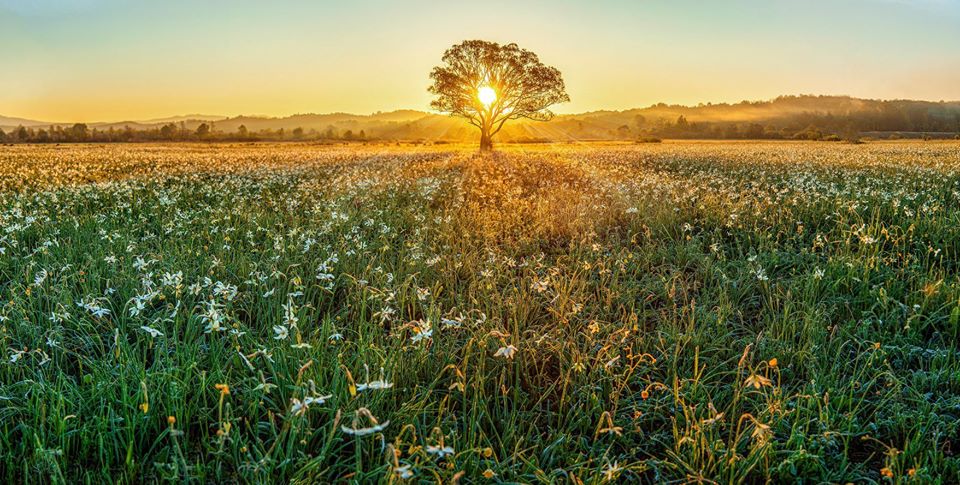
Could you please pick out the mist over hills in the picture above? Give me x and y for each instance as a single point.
(803, 116)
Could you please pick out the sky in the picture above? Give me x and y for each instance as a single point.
(116, 60)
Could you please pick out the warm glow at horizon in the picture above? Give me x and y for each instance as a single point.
(486, 95)
(120, 60)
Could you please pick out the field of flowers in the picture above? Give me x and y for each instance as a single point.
(691, 312)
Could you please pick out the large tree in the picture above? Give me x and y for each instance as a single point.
(490, 84)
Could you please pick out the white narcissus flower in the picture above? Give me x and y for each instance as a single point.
(404, 472)
(440, 451)
(506, 352)
(152, 331)
(376, 385)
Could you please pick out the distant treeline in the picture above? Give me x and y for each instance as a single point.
(81, 133)
(805, 127)
(796, 117)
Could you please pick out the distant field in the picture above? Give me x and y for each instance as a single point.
(732, 312)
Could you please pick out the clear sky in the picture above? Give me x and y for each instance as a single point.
(112, 60)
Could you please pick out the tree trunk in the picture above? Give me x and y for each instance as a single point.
(486, 143)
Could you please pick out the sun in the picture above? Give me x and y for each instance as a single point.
(486, 95)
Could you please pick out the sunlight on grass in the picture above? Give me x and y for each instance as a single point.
(747, 312)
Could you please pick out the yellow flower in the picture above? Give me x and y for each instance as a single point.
(171, 420)
(223, 388)
(886, 472)
(773, 362)
(757, 381)
(145, 407)
(488, 474)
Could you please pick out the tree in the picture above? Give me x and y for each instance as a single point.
(79, 131)
(297, 133)
(203, 130)
(168, 131)
(242, 131)
(490, 84)
(3, 135)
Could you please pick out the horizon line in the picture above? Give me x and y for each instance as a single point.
(220, 117)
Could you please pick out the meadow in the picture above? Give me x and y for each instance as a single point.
(677, 312)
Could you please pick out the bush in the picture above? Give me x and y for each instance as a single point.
(648, 139)
(832, 138)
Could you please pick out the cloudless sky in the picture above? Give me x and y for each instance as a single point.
(111, 60)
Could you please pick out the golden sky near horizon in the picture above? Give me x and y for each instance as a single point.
(113, 60)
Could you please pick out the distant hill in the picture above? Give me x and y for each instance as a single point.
(804, 116)
(177, 119)
(8, 122)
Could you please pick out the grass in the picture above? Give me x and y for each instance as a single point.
(687, 312)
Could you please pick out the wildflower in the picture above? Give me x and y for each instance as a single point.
(281, 332)
(290, 318)
(374, 425)
(887, 472)
(213, 317)
(17, 355)
(606, 426)
(152, 331)
(299, 407)
(449, 323)
(761, 274)
(223, 388)
(761, 432)
(40, 277)
(422, 330)
(506, 352)
(612, 471)
(403, 472)
(440, 451)
(773, 362)
(171, 420)
(488, 474)
(757, 381)
(376, 385)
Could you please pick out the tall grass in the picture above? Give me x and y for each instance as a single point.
(681, 312)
